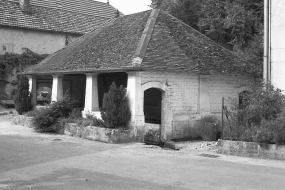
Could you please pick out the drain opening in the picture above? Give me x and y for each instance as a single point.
(209, 155)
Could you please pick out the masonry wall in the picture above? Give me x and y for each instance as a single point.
(182, 107)
(228, 87)
(180, 98)
(41, 42)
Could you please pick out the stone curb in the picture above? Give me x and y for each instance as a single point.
(252, 149)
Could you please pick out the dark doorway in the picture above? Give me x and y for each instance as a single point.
(152, 105)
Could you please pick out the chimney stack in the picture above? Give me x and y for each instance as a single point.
(117, 14)
(25, 6)
(108, 2)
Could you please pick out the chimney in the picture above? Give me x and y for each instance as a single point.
(108, 2)
(25, 6)
(117, 14)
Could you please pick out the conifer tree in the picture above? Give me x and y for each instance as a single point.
(23, 96)
(115, 110)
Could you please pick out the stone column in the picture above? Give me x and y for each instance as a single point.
(91, 93)
(57, 88)
(134, 92)
(33, 89)
(204, 98)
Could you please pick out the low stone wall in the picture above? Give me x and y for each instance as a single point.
(23, 120)
(101, 134)
(251, 149)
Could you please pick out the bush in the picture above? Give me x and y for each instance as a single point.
(264, 102)
(115, 110)
(44, 120)
(49, 119)
(23, 96)
(260, 118)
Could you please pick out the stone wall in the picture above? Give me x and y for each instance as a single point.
(228, 87)
(182, 98)
(252, 149)
(13, 40)
(101, 134)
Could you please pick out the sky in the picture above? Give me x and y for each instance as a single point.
(129, 6)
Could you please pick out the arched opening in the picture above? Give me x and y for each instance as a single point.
(243, 99)
(152, 105)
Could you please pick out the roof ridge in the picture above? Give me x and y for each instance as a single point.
(145, 38)
(180, 21)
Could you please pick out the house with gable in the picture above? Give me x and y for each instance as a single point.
(171, 71)
(45, 26)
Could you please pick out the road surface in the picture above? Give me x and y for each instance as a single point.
(29, 160)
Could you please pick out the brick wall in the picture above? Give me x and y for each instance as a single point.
(228, 87)
(181, 98)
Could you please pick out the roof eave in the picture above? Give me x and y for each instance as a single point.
(103, 70)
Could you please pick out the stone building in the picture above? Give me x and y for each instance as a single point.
(45, 26)
(172, 72)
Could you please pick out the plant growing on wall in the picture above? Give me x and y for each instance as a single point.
(10, 61)
(23, 96)
(115, 110)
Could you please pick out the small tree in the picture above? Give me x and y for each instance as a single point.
(115, 110)
(23, 96)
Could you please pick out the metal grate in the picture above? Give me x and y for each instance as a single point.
(209, 155)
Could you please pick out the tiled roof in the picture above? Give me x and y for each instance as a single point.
(70, 16)
(150, 40)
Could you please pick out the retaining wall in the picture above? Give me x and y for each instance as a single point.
(101, 134)
(252, 149)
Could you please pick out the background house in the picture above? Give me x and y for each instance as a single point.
(45, 26)
(173, 73)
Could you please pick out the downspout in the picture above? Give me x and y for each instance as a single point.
(266, 42)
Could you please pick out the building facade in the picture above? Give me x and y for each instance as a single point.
(274, 43)
(172, 73)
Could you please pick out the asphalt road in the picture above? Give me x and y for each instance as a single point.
(30, 160)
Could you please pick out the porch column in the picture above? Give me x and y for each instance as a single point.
(204, 98)
(91, 94)
(134, 92)
(57, 88)
(33, 89)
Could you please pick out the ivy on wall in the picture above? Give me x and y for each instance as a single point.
(10, 61)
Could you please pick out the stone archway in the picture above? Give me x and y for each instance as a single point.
(154, 107)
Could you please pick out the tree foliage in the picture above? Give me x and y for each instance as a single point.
(23, 96)
(234, 24)
(9, 61)
(115, 110)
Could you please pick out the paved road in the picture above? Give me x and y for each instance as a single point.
(46, 162)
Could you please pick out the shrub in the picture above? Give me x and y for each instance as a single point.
(93, 121)
(50, 119)
(23, 96)
(261, 118)
(64, 107)
(264, 102)
(44, 120)
(115, 110)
